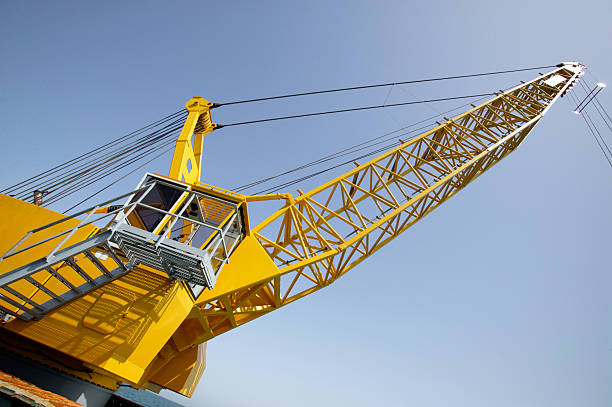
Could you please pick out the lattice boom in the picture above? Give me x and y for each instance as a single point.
(329, 230)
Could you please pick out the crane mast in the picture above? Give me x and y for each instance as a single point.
(134, 300)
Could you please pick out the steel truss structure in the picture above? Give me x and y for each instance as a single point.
(322, 234)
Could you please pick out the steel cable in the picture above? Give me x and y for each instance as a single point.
(117, 180)
(444, 78)
(89, 168)
(593, 133)
(67, 176)
(88, 154)
(354, 109)
(354, 148)
(102, 175)
(101, 172)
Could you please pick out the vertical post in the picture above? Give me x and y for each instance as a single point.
(38, 197)
(187, 159)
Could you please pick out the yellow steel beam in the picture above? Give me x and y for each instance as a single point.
(187, 160)
(320, 235)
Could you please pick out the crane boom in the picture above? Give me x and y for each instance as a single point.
(322, 234)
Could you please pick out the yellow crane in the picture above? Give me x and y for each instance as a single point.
(130, 290)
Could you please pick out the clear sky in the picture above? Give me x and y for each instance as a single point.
(499, 298)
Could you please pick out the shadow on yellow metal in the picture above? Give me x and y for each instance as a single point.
(133, 329)
(179, 371)
(115, 331)
(18, 217)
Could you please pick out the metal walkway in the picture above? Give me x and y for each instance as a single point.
(52, 282)
(164, 225)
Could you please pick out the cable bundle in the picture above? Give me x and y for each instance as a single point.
(591, 123)
(101, 162)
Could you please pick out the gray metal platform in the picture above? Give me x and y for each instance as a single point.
(86, 251)
(164, 224)
(178, 260)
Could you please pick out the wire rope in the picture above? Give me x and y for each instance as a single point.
(593, 123)
(101, 174)
(443, 78)
(94, 151)
(597, 104)
(91, 167)
(594, 135)
(117, 180)
(354, 148)
(354, 109)
(83, 169)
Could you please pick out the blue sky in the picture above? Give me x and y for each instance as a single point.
(500, 297)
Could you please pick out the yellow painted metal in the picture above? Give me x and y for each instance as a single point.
(184, 371)
(115, 331)
(270, 197)
(148, 331)
(320, 235)
(187, 160)
(123, 346)
(17, 218)
(179, 202)
(177, 369)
